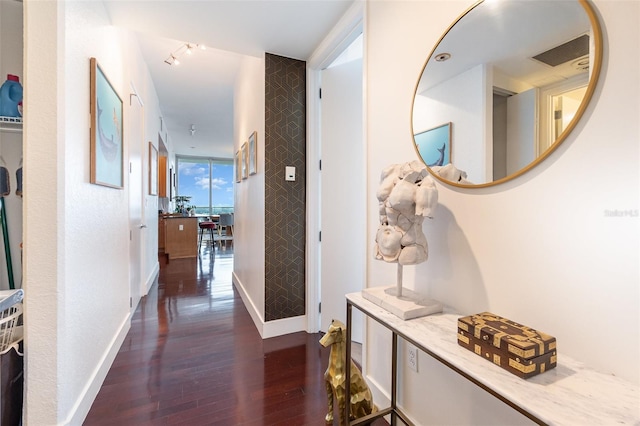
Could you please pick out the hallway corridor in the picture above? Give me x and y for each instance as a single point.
(194, 357)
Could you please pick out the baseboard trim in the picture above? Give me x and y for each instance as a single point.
(270, 328)
(248, 303)
(284, 326)
(380, 396)
(151, 278)
(82, 406)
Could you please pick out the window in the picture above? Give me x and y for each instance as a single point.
(209, 183)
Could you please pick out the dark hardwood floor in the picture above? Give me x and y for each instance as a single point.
(194, 357)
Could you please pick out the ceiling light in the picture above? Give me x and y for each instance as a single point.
(441, 57)
(186, 48)
(193, 129)
(172, 60)
(581, 64)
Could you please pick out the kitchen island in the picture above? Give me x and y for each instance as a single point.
(180, 236)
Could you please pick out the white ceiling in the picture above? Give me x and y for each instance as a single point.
(506, 35)
(199, 91)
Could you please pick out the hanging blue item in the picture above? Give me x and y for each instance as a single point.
(10, 97)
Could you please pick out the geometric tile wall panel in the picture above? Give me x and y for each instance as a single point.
(285, 203)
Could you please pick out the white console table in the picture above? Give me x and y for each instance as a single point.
(570, 394)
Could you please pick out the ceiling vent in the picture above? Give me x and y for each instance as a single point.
(569, 51)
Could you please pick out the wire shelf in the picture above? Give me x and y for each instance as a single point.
(10, 311)
(11, 124)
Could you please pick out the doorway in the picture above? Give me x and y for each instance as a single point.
(342, 181)
(136, 204)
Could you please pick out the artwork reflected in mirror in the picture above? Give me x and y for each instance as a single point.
(434, 145)
(513, 78)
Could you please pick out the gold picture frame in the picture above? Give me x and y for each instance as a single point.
(107, 148)
(238, 165)
(253, 156)
(245, 160)
(153, 170)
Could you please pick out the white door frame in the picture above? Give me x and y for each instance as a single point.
(140, 291)
(350, 26)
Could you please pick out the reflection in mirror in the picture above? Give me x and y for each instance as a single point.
(511, 79)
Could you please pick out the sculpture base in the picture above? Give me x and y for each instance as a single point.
(408, 306)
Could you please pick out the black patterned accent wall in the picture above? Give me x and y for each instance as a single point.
(285, 204)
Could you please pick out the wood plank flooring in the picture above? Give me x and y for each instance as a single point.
(194, 357)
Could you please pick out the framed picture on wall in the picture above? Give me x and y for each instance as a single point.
(245, 160)
(106, 130)
(253, 156)
(153, 170)
(434, 145)
(170, 183)
(238, 166)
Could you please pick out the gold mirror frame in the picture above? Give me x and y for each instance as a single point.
(596, 32)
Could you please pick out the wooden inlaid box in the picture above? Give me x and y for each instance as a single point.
(519, 349)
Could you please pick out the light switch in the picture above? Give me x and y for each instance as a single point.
(290, 173)
(180, 227)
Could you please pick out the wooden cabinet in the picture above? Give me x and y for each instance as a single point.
(161, 224)
(162, 176)
(181, 237)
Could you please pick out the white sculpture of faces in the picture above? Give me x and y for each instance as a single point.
(407, 194)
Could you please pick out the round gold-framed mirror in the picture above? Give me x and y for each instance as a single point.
(503, 87)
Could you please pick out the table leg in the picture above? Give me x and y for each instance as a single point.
(394, 377)
(347, 365)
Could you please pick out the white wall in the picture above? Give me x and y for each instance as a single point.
(541, 249)
(249, 208)
(76, 234)
(441, 104)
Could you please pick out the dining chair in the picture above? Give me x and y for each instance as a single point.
(225, 223)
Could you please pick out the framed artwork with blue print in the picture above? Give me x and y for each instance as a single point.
(434, 145)
(106, 130)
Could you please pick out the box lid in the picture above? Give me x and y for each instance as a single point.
(507, 335)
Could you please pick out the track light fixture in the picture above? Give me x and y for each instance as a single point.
(186, 48)
(172, 60)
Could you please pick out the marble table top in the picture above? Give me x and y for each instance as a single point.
(570, 394)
